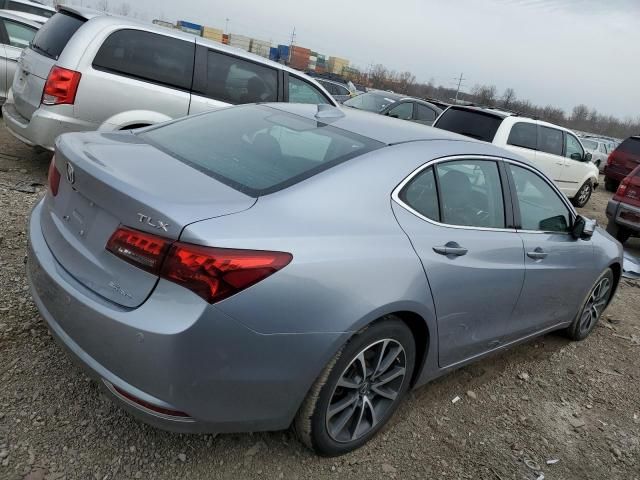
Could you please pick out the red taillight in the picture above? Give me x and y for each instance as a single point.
(611, 158)
(54, 177)
(212, 273)
(622, 189)
(141, 249)
(218, 273)
(61, 87)
(147, 405)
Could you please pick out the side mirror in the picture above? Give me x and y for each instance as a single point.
(577, 157)
(588, 157)
(583, 228)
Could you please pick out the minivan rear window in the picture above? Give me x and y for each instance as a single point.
(257, 149)
(471, 123)
(630, 145)
(54, 35)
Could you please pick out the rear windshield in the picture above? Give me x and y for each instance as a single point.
(257, 149)
(371, 102)
(630, 145)
(55, 34)
(474, 124)
(590, 144)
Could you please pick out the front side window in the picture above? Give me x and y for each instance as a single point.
(403, 111)
(541, 209)
(330, 87)
(421, 195)
(573, 149)
(342, 90)
(471, 194)
(20, 35)
(148, 56)
(550, 140)
(236, 81)
(424, 113)
(524, 135)
(303, 92)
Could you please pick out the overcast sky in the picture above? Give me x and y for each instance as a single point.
(558, 52)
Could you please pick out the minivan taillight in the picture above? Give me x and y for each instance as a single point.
(61, 87)
(212, 273)
(54, 177)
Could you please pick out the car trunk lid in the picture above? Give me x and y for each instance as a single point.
(113, 180)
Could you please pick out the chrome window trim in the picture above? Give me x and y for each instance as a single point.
(395, 195)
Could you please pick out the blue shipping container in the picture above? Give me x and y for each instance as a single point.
(192, 26)
(283, 51)
(273, 54)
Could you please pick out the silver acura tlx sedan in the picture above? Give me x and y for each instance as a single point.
(276, 265)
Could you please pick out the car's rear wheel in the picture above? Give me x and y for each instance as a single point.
(583, 195)
(621, 234)
(359, 390)
(593, 307)
(610, 185)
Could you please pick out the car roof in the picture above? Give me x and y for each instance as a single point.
(371, 125)
(492, 111)
(20, 17)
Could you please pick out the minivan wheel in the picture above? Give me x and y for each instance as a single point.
(359, 390)
(610, 185)
(583, 195)
(621, 234)
(593, 307)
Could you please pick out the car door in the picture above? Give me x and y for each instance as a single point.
(15, 36)
(554, 260)
(549, 157)
(575, 168)
(3, 73)
(454, 213)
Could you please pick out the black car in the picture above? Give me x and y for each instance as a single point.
(395, 105)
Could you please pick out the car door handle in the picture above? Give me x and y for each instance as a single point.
(559, 163)
(537, 254)
(451, 248)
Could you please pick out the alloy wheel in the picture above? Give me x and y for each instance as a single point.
(595, 305)
(585, 193)
(366, 390)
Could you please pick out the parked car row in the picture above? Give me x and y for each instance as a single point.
(285, 261)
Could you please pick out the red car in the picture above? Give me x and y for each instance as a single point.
(621, 161)
(623, 209)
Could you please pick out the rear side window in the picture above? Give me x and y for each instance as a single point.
(20, 35)
(32, 9)
(148, 56)
(303, 92)
(424, 114)
(524, 135)
(421, 194)
(54, 35)
(550, 140)
(630, 145)
(233, 80)
(474, 124)
(403, 111)
(257, 149)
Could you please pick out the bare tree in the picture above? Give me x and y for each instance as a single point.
(379, 75)
(484, 94)
(508, 97)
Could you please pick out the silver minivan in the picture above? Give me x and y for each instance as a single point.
(15, 34)
(86, 70)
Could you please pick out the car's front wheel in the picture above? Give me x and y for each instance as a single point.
(583, 195)
(593, 307)
(359, 390)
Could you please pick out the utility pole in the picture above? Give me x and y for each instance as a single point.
(291, 43)
(226, 26)
(459, 85)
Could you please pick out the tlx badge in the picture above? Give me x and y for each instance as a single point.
(149, 221)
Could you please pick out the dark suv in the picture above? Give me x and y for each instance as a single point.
(621, 162)
(623, 209)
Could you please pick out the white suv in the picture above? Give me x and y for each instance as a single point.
(88, 71)
(555, 150)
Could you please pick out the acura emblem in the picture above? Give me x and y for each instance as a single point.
(71, 175)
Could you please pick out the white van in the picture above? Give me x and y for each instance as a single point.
(557, 151)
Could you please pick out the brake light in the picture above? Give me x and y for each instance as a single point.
(622, 189)
(54, 177)
(61, 87)
(141, 249)
(212, 273)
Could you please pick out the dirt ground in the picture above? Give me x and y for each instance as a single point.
(549, 409)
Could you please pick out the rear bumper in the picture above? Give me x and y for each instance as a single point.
(615, 173)
(623, 215)
(177, 352)
(44, 126)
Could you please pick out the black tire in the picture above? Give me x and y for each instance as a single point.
(621, 234)
(583, 195)
(592, 308)
(611, 185)
(312, 423)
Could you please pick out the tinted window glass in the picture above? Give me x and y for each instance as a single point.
(32, 9)
(257, 149)
(54, 35)
(404, 111)
(371, 102)
(303, 92)
(630, 145)
(425, 114)
(573, 149)
(471, 194)
(20, 35)
(421, 195)
(330, 87)
(148, 56)
(236, 81)
(474, 124)
(541, 209)
(342, 90)
(550, 140)
(524, 135)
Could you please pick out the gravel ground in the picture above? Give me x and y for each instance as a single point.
(565, 410)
